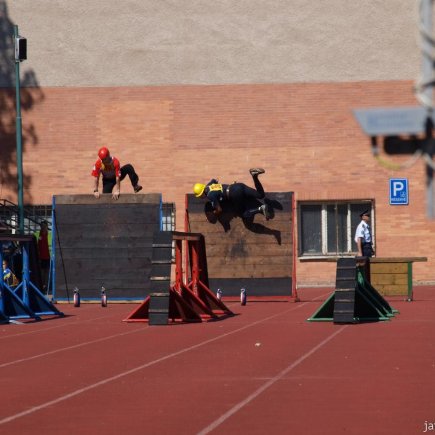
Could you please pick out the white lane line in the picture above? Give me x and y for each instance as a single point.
(136, 369)
(63, 325)
(268, 384)
(63, 349)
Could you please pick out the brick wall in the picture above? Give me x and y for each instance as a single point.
(303, 134)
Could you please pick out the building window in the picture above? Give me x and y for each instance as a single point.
(168, 216)
(168, 222)
(328, 228)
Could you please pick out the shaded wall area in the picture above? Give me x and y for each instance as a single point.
(31, 95)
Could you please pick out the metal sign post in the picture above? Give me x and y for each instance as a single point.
(20, 54)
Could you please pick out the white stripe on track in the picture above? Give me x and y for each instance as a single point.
(63, 325)
(63, 349)
(268, 384)
(136, 369)
(146, 365)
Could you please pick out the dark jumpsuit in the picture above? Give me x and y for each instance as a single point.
(236, 193)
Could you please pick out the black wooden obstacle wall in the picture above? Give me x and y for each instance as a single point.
(256, 255)
(103, 242)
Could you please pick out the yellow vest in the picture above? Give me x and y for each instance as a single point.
(215, 187)
(49, 238)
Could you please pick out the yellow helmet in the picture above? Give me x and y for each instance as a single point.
(198, 189)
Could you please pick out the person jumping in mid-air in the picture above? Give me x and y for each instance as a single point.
(239, 194)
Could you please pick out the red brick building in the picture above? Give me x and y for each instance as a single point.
(176, 133)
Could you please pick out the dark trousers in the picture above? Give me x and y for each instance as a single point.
(243, 196)
(109, 183)
(240, 191)
(367, 250)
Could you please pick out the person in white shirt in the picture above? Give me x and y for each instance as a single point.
(363, 237)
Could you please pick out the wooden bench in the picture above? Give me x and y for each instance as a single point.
(392, 276)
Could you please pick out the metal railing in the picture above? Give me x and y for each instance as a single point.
(33, 216)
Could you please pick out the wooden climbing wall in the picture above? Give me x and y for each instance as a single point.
(103, 242)
(254, 254)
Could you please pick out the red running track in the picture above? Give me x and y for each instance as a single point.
(264, 371)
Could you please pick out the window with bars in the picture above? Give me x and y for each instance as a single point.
(328, 228)
(33, 215)
(168, 216)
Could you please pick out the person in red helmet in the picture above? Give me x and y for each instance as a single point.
(112, 173)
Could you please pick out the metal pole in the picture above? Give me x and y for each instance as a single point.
(19, 140)
(428, 74)
(52, 287)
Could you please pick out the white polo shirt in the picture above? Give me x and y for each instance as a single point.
(363, 231)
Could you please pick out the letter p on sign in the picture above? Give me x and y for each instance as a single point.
(399, 191)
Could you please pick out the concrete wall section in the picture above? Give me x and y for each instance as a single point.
(147, 42)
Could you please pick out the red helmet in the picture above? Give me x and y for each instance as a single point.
(103, 153)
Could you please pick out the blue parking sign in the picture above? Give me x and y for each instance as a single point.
(399, 191)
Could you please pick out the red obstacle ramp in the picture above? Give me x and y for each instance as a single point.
(196, 289)
(159, 308)
(190, 301)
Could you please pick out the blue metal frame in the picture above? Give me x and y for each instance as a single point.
(21, 293)
(161, 214)
(52, 273)
(5, 289)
